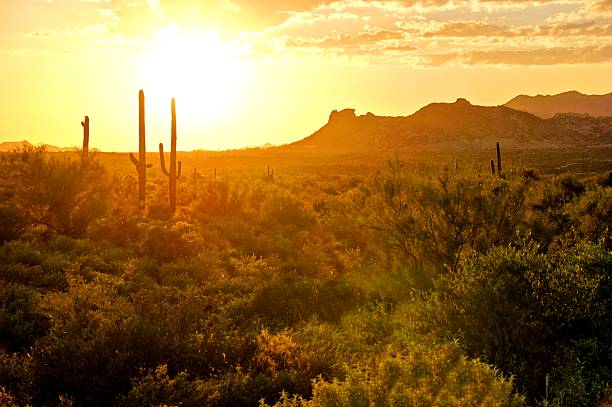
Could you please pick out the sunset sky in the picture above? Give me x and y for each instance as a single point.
(248, 72)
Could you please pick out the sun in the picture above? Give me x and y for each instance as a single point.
(207, 76)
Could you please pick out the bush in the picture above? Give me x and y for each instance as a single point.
(64, 197)
(440, 376)
(288, 301)
(169, 243)
(433, 224)
(531, 314)
(12, 223)
(21, 322)
(157, 388)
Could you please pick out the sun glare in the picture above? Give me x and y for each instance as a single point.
(206, 75)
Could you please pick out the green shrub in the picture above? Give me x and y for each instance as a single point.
(21, 321)
(527, 312)
(157, 388)
(439, 376)
(12, 223)
(169, 243)
(292, 300)
(63, 197)
(434, 223)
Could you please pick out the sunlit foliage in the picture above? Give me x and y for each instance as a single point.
(399, 287)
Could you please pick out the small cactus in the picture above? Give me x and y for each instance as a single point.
(492, 167)
(174, 173)
(141, 162)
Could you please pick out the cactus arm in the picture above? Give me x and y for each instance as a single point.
(162, 161)
(179, 171)
(134, 160)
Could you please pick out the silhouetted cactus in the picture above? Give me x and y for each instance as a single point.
(174, 173)
(85, 151)
(141, 162)
(492, 167)
(270, 174)
(499, 166)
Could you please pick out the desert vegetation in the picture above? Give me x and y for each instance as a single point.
(400, 286)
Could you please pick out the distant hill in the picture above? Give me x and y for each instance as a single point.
(459, 125)
(546, 106)
(11, 145)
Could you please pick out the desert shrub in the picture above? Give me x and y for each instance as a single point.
(434, 223)
(12, 223)
(532, 314)
(103, 340)
(6, 399)
(23, 252)
(16, 377)
(183, 274)
(64, 197)
(281, 211)
(156, 387)
(25, 263)
(170, 242)
(214, 199)
(428, 377)
(312, 259)
(370, 328)
(234, 388)
(349, 232)
(21, 320)
(568, 207)
(247, 238)
(291, 300)
(122, 231)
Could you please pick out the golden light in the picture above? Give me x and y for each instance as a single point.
(206, 75)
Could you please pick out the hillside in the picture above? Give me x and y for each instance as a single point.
(547, 106)
(459, 125)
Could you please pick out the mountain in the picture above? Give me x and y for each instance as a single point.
(546, 106)
(459, 125)
(11, 145)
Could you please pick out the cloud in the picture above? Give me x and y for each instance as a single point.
(481, 28)
(469, 29)
(415, 32)
(347, 40)
(535, 57)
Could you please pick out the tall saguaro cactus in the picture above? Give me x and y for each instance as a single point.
(85, 151)
(174, 173)
(141, 162)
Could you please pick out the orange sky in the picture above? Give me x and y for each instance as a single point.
(248, 72)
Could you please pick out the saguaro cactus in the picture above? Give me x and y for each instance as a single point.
(174, 173)
(499, 166)
(492, 167)
(141, 162)
(85, 151)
